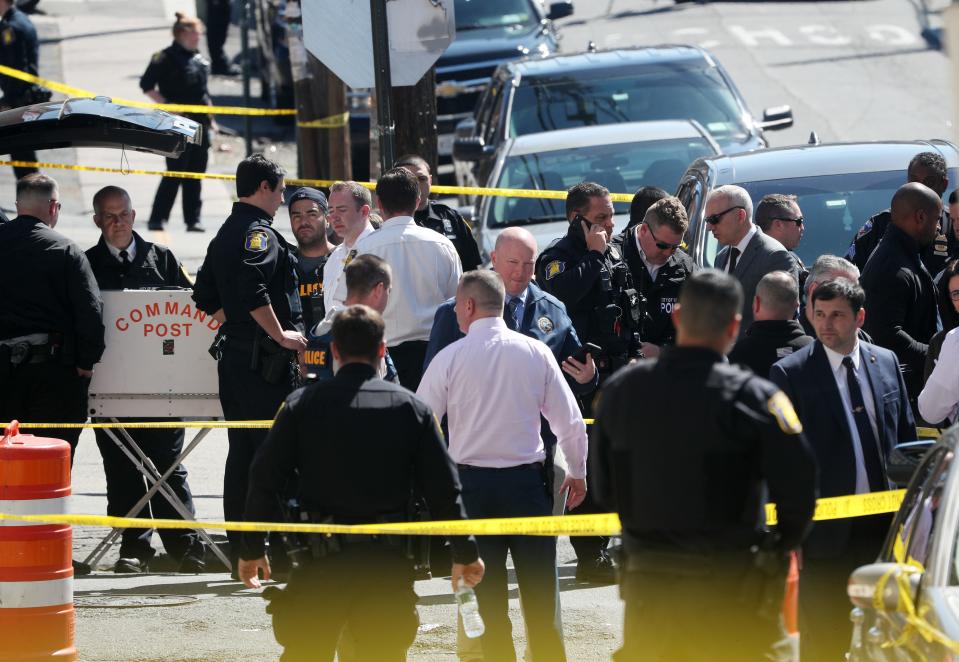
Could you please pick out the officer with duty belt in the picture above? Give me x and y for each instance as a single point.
(690, 489)
(326, 433)
(248, 283)
(588, 274)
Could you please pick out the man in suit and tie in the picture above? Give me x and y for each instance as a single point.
(852, 402)
(748, 253)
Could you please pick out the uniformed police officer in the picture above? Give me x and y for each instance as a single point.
(218, 18)
(122, 259)
(327, 433)
(179, 74)
(19, 49)
(690, 494)
(659, 266)
(248, 283)
(439, 217)
(308, 209)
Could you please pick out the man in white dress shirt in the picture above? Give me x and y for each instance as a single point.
(349, 216)
(493, 385)
(426, 269)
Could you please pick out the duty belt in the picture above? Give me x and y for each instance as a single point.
(29, 339)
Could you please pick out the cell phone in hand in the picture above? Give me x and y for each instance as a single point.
(587, 348)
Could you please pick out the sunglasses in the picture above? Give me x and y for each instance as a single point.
(798, 221)
(716, 218)
(661, 245)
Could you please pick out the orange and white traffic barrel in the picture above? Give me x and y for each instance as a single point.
(37, 620)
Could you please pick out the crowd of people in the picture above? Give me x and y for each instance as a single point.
(405, 382)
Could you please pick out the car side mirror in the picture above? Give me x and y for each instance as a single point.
(559, 10)
(865, 582)
(470, 148)
(776, 118)
(465, 127)
(467, 212)
(902, 462)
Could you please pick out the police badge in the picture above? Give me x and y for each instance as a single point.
(545, 324)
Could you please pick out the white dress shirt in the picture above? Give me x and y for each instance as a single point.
(653, 269)
(839, 374)
(940, 395)
(493, 385)
(115, 252)
(334, 284)
(426, 271)
(741, 246)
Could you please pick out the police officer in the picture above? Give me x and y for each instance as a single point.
(179, 74)
(439, 217)
(659, 266)
(123, 260)
(308, 210)
(689, 490)
(218, 17)
(248, 283)
(19, 49)
(584, 271)
(327, 433)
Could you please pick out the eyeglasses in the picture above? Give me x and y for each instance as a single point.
(716, 218)
(798, 221)
(954, 295)
(661, 245)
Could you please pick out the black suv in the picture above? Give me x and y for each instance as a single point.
(608, 87)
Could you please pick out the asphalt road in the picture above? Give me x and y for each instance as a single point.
(857, 70)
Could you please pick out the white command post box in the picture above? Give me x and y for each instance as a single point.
(156, 362)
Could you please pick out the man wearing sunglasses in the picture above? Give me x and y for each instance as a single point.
(748, 253)
(653, 251)
(780, 217)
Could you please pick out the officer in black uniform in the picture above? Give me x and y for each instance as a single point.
(659, 266)
(122, 259)
(179, 74)
(689, 490)
(439, 217)
(218, 18)
(248, 283)
(589, 276)
(19, 49)
(308, 209)
(51, 329)
(327, 433)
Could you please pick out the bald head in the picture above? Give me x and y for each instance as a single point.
(514, 259)
(915, 210)
(777, 297)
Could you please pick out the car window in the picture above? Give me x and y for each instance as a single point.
(923, 506)
(690, 193)
(479, 14)
(621, 168)
(497, 103)
(662, 94)
(834, 207)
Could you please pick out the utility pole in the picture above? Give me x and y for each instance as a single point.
(384, 84)
(416, 120)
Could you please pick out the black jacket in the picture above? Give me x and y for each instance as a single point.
(152, 266)
(767, 341)
(47, 286)
(699, 486)
(19, 49)
(447, 221)
(934, 256)
(248, 265)
(181, 77)
(661, 295)
(901, 305)
(360, 446)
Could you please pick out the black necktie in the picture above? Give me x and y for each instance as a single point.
(733, 258)
(125, 262)
(509, 312)
(870, 447)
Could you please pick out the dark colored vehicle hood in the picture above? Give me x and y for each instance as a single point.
(96, 122)
(499, 43)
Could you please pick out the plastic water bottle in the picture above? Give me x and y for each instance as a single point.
(469, 611)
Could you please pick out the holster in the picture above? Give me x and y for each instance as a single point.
(273, 360)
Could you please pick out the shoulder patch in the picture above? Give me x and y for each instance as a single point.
(555, 268)
(545, 324)
(782, 410)
(157, 57)
(9, 36)
(257, 241)
(865, 229)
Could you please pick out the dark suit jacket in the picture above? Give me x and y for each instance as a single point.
(807, 379)
(152, 266)
(766, 342)
(762, 255)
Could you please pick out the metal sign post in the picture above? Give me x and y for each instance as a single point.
(384, 84)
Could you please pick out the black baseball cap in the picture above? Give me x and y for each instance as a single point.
(307, 193)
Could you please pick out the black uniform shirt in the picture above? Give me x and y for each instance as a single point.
(360, 446)
(152, 266)
(47, 286)
(181, 77)
(448, 222)
(683, 446)
(19, 49)
(248, 265)
(934, 256)
(767, 341)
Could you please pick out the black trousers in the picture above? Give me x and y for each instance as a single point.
(408, 358)
(588, 548)
(126, 485)
(217, 26)
(22, 171)
(244, 395)
(365, 587)
(45, 393)
(193, 159)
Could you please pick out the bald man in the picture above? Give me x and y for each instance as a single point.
(901, 310)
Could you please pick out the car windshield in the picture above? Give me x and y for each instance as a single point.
(834, 207)
(676, 93)
(622, 168)
(479, 14)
